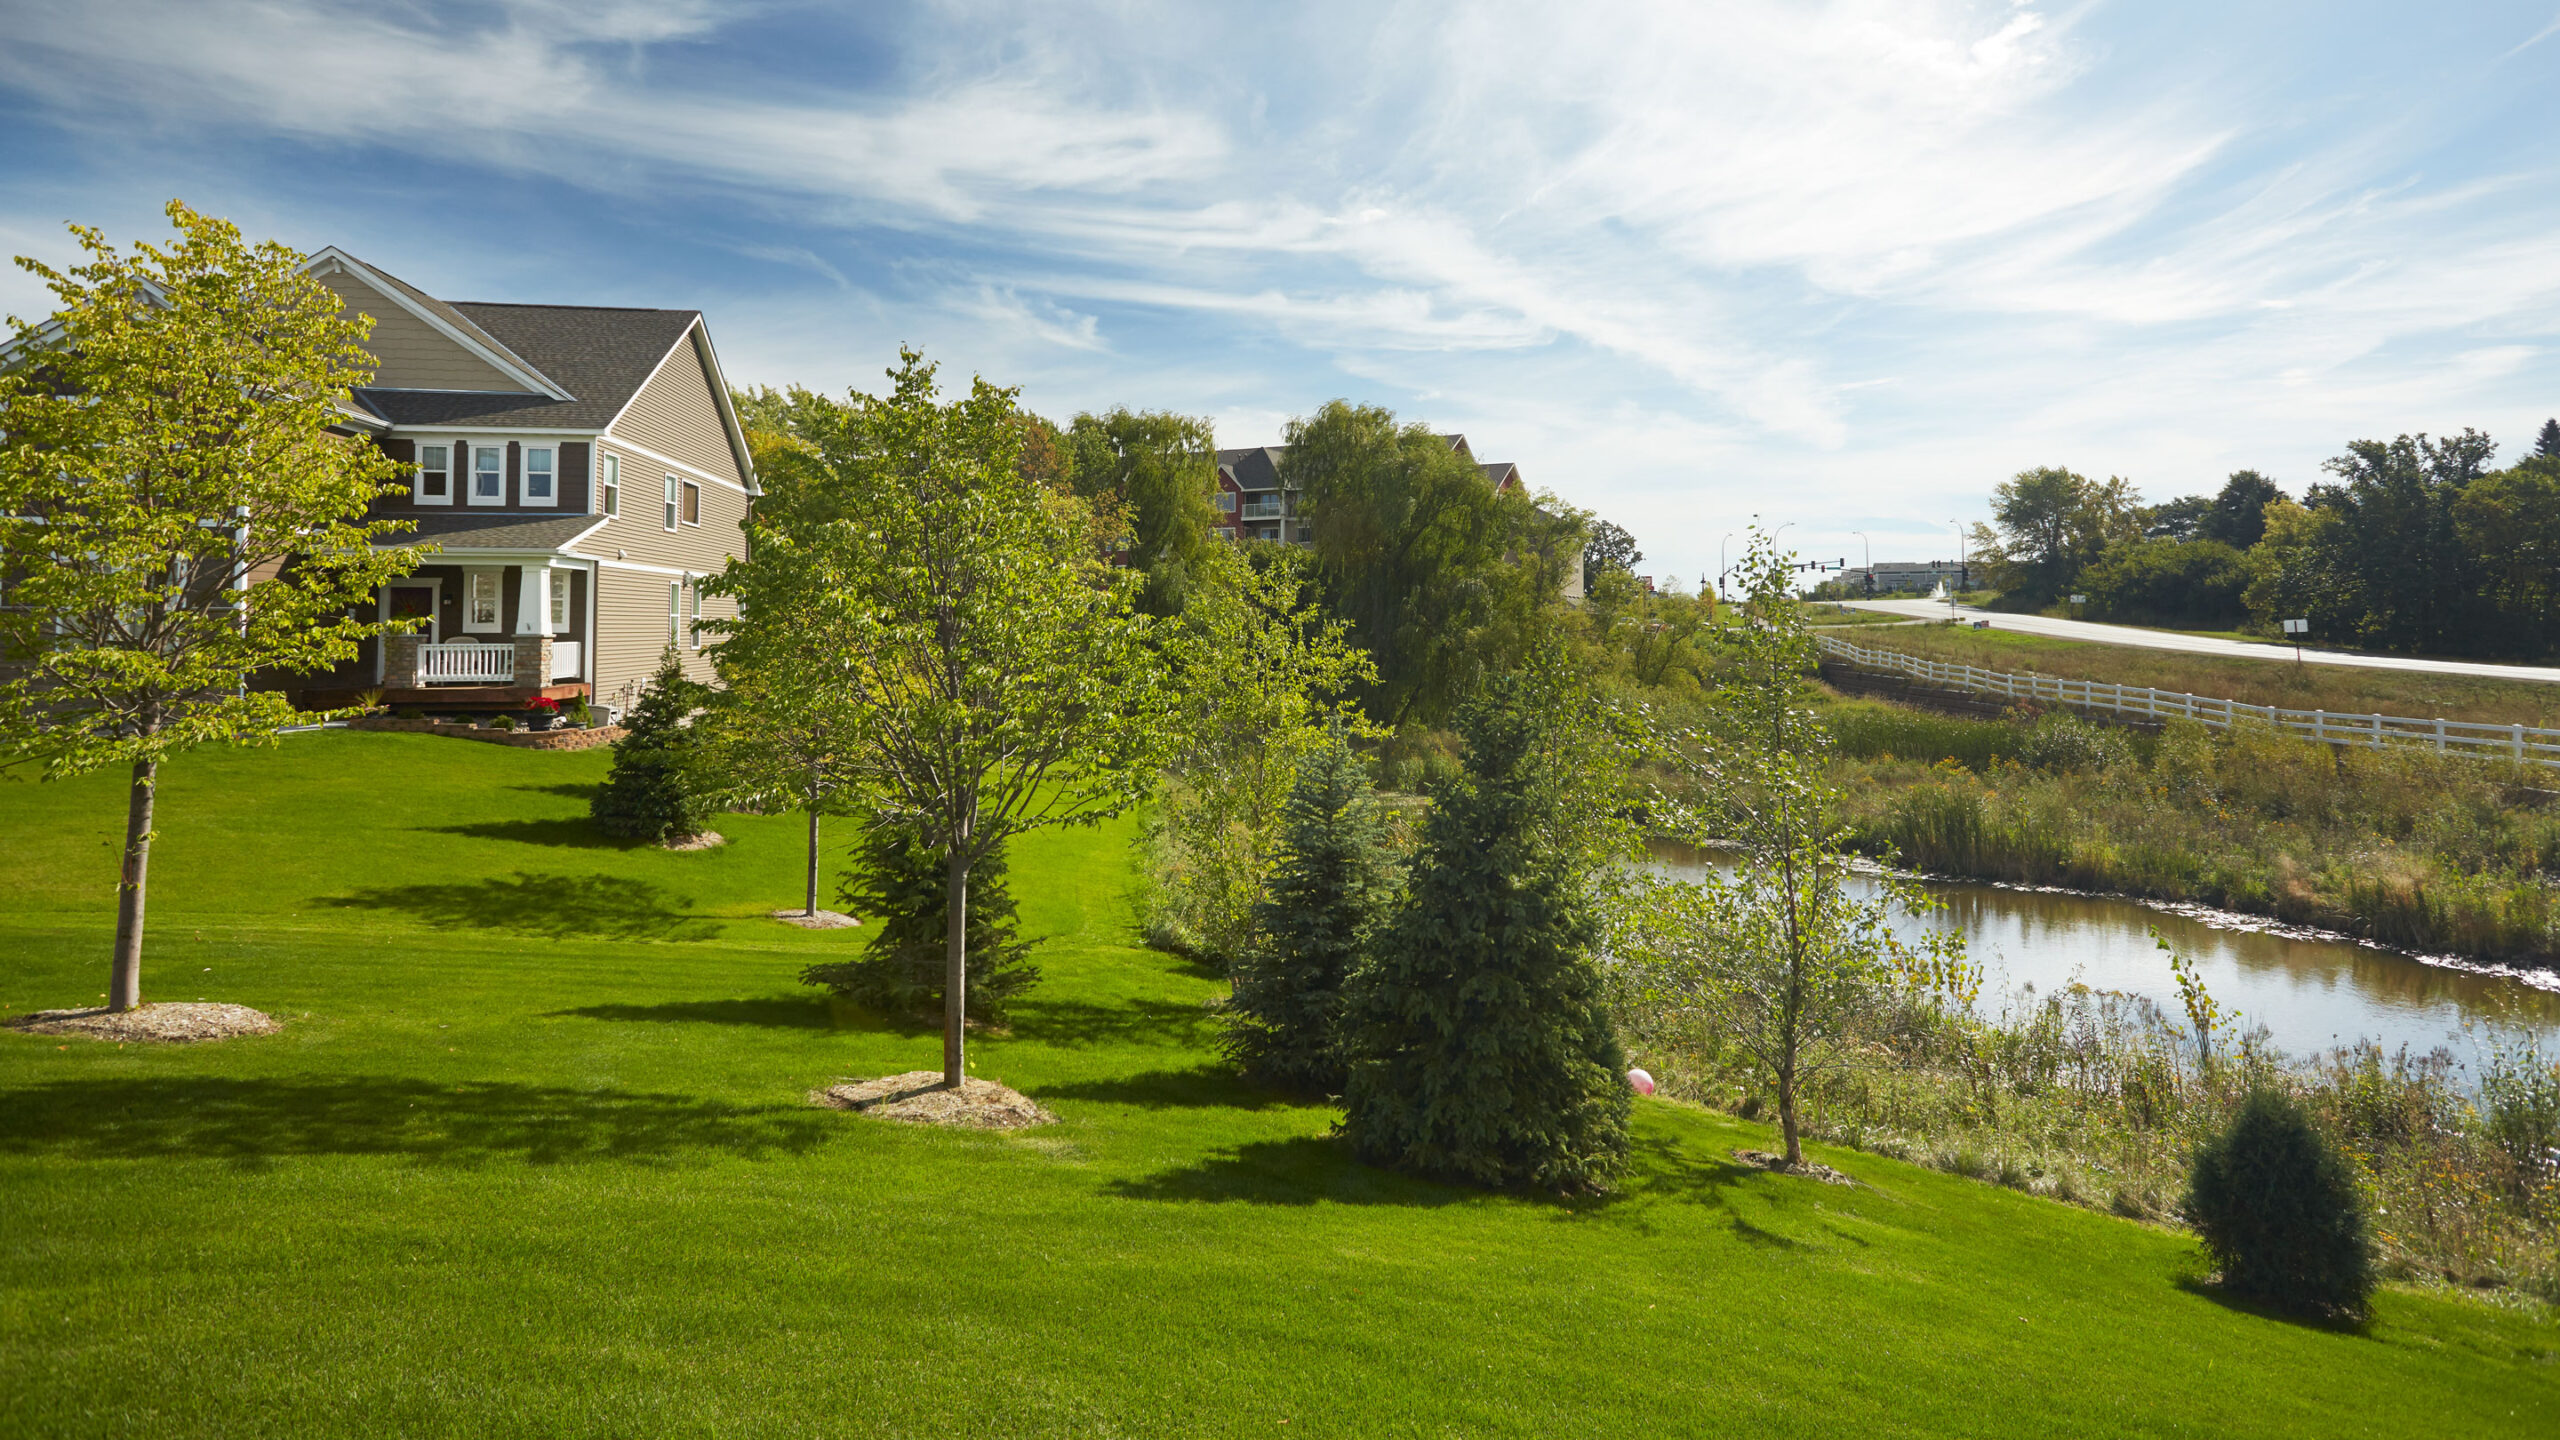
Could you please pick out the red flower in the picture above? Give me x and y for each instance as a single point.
(542, 702)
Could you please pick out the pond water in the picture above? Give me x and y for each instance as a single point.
(2311, 994)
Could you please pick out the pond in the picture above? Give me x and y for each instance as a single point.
(2310, 993)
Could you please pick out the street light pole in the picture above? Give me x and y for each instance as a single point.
(1962, 556)
(1871, 559)
(1720, 567)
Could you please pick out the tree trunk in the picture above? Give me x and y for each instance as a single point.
(955, 973)
(1787, 1115)
(813, 862)
(124, 985)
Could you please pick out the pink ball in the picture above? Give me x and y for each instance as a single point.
(1640, 1081)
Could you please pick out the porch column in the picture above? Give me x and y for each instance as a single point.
(533, 599)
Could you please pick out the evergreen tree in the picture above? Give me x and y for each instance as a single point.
(1325, 897)
(2276, 1205)
(2547, 444)
(656, 790)
(1479, 1046)
(902, 884)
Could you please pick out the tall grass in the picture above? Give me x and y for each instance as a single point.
(2405, 847)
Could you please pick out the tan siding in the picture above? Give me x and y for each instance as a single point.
(676, 415)
(640, 534)
(631, 629)
(410, 353)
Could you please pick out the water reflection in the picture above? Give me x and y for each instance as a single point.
(2310, 994)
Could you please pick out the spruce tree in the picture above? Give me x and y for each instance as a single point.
(1480, 1049)
(2275, 1203)
(2547, 444)
(657, 789)
(901, 882)
(1324, 899)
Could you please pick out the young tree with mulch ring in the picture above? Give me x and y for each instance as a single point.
(1004, 681)
(1480, 1045)
(177, 516)
(1327, 895)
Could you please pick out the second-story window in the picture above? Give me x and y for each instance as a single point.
(692, 503)
(671, 502)
(613, 485)
(1227, 501)
(435, 476)
(488, 474)
(538, 474)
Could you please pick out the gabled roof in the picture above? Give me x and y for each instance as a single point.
(602, 354)
(455, 325)
(1501, 472)
(1254, 468)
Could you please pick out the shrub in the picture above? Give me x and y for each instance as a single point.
(902, 882)
(1283, 1025)
(656, 790)
(2171, 582)
(1479, 1046)
(1866, 730)
(2062, 741)
(2520, 1109)
(2277, 1208)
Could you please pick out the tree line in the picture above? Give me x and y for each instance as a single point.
(2414, 544)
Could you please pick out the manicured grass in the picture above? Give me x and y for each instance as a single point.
(531, 1158)
(2342, 689)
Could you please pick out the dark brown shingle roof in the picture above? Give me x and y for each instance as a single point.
(600, 354)
(516, 531)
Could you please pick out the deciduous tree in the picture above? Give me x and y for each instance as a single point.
(180, 514)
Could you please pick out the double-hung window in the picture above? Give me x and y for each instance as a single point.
(692, 503)
(693, 632)
(559, 580)
(488, 474)
(435, 476)
(541, 479)
(675, 609)
(613, 485)
(671, 502)
(480, 603)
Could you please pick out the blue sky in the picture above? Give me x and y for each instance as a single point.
(1841, 265)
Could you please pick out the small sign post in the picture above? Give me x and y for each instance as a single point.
(2297, 629)
(2076, 602)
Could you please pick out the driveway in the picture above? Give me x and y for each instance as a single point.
(2197, 644)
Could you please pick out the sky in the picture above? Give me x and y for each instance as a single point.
(1840, 268)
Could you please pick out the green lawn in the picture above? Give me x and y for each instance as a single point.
(531, 1158)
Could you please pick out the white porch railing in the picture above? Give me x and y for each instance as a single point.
(467, 664)
(565, 655)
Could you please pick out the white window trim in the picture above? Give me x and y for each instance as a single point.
(675, 609)
(670, 504)
(470, 602)
(696, 497)
(471, 476)
(693, 608)
(608, 490)
(558, 581)
(524, 476)
(417, 473)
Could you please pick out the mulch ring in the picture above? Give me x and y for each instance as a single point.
(178, 1020)
(1777, 1165)
(708, 839)
(920, 1098)
(822, 920)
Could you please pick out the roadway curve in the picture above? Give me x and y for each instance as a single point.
(2132, 635)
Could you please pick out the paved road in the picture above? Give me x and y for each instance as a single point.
(2198, 644)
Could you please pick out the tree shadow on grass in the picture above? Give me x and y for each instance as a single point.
(2210, 1288)
(583, 792)
(563, 907)
(778, 1012)
(469, 1124)
(1139, 1022)
(1207, 1087)
(570, 834)
(1303, 1171)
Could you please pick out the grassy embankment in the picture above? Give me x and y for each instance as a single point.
(531, 1157)
(2342, 689)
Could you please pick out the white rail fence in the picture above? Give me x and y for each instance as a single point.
(2521, 743)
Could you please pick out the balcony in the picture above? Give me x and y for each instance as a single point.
(1261, 507)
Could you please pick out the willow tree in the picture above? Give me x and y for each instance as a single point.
(177, 515)
(1000, 677)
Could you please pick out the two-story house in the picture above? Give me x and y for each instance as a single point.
(580, 470)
